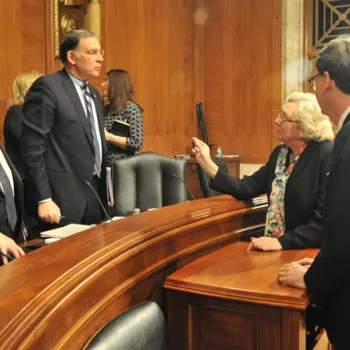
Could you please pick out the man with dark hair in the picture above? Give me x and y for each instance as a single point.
(63, 146)
(327, 277)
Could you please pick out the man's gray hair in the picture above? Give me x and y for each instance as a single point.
(71, 42)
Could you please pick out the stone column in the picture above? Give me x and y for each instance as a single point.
(94, 17)
(293, 57)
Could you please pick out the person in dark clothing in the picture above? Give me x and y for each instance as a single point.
(118, 98)
(327, 278)
(14, 116)
(293, 178)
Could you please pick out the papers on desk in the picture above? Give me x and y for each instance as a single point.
(64, 231)
(230, 156)
(260, 200)
(51, 240)
(114, 218)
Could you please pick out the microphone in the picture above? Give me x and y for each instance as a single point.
(184, 182)
(87, 183)
(9, 257)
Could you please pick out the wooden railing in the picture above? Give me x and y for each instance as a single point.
(59, 295)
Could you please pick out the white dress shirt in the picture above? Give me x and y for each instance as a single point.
(8, 172)
(78, 84)
(342, 118)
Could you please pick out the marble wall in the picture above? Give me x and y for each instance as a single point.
(294, 62)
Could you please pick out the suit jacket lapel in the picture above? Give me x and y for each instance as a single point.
(98, 106)
(347, 119)
(68, 85)
(18, 189)
(303, 160)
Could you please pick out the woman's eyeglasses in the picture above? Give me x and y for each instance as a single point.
(283, 119)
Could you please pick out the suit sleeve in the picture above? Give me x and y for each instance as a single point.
(331, 269)
(39, 117)
(310, 234)
(248, 187)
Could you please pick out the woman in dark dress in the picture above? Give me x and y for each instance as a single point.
(293, 178)
(13, 118)
(118, 97)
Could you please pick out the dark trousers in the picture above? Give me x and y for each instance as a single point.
(337, 317)
(92, 213)
(93, 210)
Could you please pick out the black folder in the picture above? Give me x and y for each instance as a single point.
(120, 128)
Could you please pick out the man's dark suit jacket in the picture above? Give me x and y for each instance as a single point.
(328, 278)
(18, 234)
(57, 145)
(12, 135)
(303, 197)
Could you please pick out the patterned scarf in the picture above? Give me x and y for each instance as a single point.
(275, 212)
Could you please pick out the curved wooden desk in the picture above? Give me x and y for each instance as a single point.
(59, 295)
(231, 299)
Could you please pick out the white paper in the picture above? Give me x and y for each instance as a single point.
(65, 231)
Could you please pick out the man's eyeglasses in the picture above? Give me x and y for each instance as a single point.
(312, 81)
(94, 52)
(283, 119)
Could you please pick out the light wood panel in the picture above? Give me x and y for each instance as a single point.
(22, 43)
(154, 41)
(230, 60)
(242, 75)
(237, 294)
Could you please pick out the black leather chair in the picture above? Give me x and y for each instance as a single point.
(204, 179)
(147, 180)
(139, 328)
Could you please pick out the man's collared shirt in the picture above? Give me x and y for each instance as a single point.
(78, 84)
(342, 118)
(7, 170)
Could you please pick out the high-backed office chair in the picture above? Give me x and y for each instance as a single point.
(147, 180)
(139, 328)
(204, 179)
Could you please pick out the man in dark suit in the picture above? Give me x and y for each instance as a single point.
(327, 278)
(63, 146)
(11, 209)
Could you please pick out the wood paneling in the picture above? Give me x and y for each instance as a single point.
(233, 165)
(22, 42)
(155, 42)
(242, 73)
(197, 322)
(226, 53)
(231, 299)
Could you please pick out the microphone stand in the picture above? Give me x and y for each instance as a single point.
(87, 183)
(184, 182)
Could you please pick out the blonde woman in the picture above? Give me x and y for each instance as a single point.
(14, 115)
(293, 178)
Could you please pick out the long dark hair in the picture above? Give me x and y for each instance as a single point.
(120, 91)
